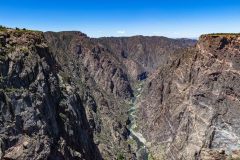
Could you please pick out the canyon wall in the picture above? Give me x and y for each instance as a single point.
(64, 95)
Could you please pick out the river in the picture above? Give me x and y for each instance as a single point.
(141, 149)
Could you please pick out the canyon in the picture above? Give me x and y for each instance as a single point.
(64, 95)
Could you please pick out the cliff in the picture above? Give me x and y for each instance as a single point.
(141, 55)
(40, 117)
(189, 108)
(64, 95)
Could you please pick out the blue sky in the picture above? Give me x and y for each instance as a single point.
(97, 18)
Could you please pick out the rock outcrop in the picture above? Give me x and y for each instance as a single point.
(189, 108)
(40, 118)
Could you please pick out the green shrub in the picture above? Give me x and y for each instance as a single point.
(2, 57)
(24, 49)
(223, 34)
(120, 156)
(2, 28)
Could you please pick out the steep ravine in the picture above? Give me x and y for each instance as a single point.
(135, 135)
(66, 96)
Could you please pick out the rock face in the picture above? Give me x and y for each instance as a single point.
(102, 85)
(189, 108)
(39, 118)
(67, 96)
(142, 55)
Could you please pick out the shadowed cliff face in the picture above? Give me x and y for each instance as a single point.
(189, 108)
(39, 118)
(103, 86)
(142, 55)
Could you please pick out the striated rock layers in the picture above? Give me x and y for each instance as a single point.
(67, 96)
(62, 96)
(142, 55)
(189, 108)
(41, 117)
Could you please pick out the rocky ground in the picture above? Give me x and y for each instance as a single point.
(67, 96)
